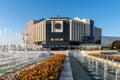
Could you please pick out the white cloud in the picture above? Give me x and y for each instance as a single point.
(5, 30)
(19, 35)
(0, 32)
(10, 31)
(16, 34)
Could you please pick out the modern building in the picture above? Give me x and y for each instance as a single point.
(61, 32)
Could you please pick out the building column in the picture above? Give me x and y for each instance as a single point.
(70, 30)
(73, 32)
(40, 31)
(52, 25)
(44, 30)
(78, 32)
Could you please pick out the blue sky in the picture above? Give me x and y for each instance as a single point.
(15, 13)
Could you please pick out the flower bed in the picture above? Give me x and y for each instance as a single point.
(48, 69)
(105, 56)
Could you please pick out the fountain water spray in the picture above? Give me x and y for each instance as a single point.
(105, 72)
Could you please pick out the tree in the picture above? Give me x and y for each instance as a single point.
(116, 44)
(98, 42)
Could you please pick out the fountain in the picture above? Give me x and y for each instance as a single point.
(1, 74)
(96, 77)
(93, 66)
(83, 61)
(89, 65)
(117, 74)
(105, 72)
(100, 68)
(11, 61)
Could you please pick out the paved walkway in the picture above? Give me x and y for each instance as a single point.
(78, 72)
(66, 72)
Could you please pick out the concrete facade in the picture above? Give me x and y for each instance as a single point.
(60, 31)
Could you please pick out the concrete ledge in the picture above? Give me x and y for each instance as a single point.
(66, 73)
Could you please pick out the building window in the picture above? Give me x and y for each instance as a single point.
(57, 26)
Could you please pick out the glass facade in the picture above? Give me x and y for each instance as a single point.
(91, 27)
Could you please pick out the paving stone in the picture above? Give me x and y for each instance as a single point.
(78, 72)
(66, 73)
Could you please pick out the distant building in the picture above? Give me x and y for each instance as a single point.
(61, 32)
(108, 40)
